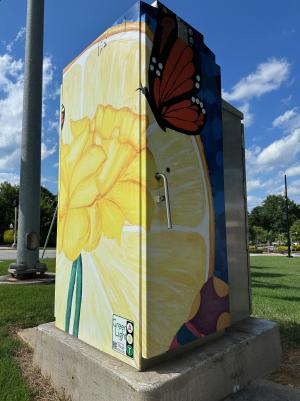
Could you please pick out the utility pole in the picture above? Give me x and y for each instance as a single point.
(30, 170)
(287, 218)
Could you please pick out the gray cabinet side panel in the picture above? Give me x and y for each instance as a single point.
(236, 216)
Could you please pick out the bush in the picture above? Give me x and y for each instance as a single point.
(296, 247)
(8, 236)
(254, 249)
(282, 249)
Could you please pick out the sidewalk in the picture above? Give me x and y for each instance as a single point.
(7, 253)
(264, 390)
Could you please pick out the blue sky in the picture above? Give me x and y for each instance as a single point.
(256, 44)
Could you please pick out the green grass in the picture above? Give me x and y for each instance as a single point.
(276, 293)
(21, 307)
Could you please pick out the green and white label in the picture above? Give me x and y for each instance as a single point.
(123, 336)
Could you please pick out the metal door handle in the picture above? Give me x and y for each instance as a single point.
(167, 198)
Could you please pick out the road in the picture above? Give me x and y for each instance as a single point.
(7, 253)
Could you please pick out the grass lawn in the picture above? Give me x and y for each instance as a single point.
(275, 291)
(20, 307)
(276, 296)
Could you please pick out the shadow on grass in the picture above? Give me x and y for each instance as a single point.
(259, 284)
(267, 275)
(285, 298)
(261, 267)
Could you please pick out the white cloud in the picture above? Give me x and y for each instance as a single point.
(293, 171)
(294, 188)
(248, 116)
(254, 184)
(253, 201)
(47, 151)
(268, 77)
(18, 37)
(289, 121)
(287, 99)
(287, 116)
(11, 105)
(280, 152)
(54, 125)
(10, 177)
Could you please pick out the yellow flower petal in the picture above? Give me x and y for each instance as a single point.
(76, 232)
(118, 159)
(85, 193)
(95, 227)
(145, 162)
(60, 233)
(79, 127)
(87, 165)
(107, 123)
(112, 219)
(127, 195)
(77, 148)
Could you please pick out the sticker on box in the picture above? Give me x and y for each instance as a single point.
(123, 336)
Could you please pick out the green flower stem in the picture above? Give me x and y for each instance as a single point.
(78, 296)
(70, 295)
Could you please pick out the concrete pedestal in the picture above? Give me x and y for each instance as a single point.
(248, 350)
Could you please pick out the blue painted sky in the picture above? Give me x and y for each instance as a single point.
(256, 44)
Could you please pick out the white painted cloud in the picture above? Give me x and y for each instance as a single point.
(268, 77)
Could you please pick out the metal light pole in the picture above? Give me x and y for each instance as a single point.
(287, 218)
(30, 170)
(14, 245)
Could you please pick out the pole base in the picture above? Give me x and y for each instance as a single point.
(20, 270)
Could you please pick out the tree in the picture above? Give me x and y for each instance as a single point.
(281, 238)
(10, 193)
(271, 214)
(295, 231)
(48, 205)
(261, 236)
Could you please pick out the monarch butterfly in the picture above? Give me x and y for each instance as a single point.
(173, 77)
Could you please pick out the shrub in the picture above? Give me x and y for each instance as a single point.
(282, 249)
(254, 249)
(296, 247)
(8, 236)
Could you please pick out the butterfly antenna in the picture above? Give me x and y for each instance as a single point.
(142, 89)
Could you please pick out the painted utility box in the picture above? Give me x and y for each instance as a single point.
(142, 265)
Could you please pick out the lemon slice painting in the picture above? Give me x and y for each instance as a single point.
(141, 248)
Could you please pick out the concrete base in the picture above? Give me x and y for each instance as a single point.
(20, 270)
(248, 350)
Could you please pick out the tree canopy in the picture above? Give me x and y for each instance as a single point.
(271, 217)
(9, 194)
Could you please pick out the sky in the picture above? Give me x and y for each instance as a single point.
(256, 44)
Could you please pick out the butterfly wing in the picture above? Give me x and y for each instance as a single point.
(62, 116)
(174, 81)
